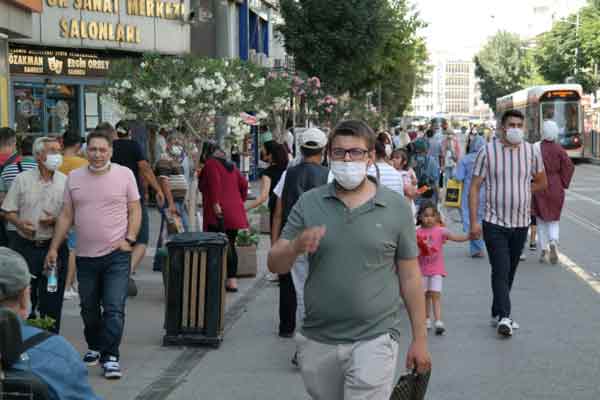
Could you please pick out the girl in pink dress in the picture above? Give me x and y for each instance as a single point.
(431, 237)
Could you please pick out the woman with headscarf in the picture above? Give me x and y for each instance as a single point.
(464, 174)
(224, 191)
(547, 204)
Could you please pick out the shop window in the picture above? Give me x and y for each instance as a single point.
(61, 109)
(29, 108)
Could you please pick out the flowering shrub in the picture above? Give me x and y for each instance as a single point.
(191, 92)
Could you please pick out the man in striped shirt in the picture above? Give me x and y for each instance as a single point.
(511, 170)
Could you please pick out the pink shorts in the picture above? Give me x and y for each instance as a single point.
(433, 283)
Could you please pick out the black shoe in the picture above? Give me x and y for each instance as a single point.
(231, 289)
(286, 335)
(532, 246)
(295, 360)
(132, 290)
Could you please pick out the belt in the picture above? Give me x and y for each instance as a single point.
(40, 243)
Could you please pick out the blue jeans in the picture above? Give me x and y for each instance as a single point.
(103, 285)
(180, 206)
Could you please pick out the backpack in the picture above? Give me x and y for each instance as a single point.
(18, 383)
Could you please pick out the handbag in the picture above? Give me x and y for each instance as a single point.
(453, 193)
(411, 386)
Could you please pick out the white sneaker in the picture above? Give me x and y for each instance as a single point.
(428, 324)
(440, 329)
(70, 294)
(514, 324)
(523, 257)
(505, 327)
(553, 252)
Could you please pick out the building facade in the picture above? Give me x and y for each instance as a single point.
(57, 73)
(450, 90)
(243, 29)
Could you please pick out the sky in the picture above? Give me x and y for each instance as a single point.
(460, 27)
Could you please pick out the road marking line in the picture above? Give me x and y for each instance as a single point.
(583, 197)
(581, 221)
(582, 274)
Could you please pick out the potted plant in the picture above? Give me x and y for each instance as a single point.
(247, 241)
(46, 323)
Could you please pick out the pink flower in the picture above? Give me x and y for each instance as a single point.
(284, 75)
(315, 81)
(272, 75)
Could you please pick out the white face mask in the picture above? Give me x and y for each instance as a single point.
(99, 169)
(53, 161)
(388, 150)
(514, 135)
(176, 150)
(349, 175)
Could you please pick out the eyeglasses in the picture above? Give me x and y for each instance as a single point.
(355, 154)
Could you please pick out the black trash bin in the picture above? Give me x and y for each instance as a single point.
(195, 289)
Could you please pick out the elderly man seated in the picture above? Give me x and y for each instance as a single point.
(52, 358)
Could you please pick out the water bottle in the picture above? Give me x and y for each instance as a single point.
(52, 286)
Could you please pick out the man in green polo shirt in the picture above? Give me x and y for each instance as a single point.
(361, 242)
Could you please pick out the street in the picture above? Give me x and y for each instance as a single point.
(554, 355)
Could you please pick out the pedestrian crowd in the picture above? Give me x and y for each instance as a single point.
(356, 218)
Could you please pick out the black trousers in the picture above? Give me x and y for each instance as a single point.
(48, 304)
(504, 247)
(287, 304)
(232, 256)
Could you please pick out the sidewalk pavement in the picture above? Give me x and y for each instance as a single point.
(554, 355)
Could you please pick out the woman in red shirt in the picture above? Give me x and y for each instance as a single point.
(224, 191)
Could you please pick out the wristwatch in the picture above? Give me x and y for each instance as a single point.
(130, 241)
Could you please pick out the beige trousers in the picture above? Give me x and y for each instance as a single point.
(358, 371)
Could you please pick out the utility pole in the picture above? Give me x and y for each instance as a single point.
(577, 42)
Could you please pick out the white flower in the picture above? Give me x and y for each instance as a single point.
(143, 65)
(141, 96)
(187, 91)
(125, 84)
(178, 110)
(182, 102)
(260, 83)
(261, 115)
(164, 93)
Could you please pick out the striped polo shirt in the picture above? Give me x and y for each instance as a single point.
(508, 172)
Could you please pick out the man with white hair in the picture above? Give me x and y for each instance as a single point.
(32, 204)
(49, 357)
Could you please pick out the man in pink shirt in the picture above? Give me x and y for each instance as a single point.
(102, 202)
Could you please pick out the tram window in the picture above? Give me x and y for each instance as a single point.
(565, 114)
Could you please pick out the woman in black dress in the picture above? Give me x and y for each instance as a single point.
(276, 155)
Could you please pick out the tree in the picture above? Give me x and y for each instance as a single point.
(568, 50)
(502, 66)
(401, 62)
(335, 40)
